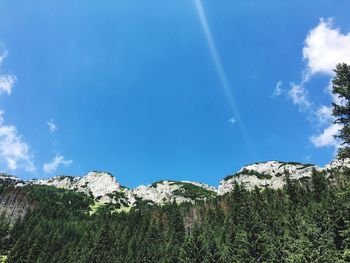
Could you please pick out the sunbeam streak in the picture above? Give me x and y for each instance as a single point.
(214, 53)
(221, 72)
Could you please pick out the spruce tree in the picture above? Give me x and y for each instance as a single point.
(341, 110)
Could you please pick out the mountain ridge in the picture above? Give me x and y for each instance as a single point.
(104, 187)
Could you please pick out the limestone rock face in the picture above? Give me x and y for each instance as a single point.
(168, 191)
(158, 192)
(205, 186)
(95, 184)
(103, 186)
(273, 174)
(338, 165)
(99, 184)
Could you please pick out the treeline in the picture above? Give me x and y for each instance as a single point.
(307, 222)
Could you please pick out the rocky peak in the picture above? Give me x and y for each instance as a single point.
(263, 174)
(103, 186)
(273, 174)
(276, 168)
(96, 184)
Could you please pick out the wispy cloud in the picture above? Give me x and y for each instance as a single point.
(327, 137)
(52, 126)
(299, 96)
(13, 150)
(57, 161)
(6, 83)
(278, 89)
(232, 121)
(324, 115)
(3, 55)
(324, 47)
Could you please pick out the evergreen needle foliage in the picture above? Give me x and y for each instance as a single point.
(300, 223)
(341, 109)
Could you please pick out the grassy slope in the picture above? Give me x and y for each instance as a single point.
(98, 206)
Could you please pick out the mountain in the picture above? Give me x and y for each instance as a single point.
(104, 188)
(273, 174)
(250, 217)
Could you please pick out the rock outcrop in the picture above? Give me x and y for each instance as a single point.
(174, 191)
(273, 174)
(104, 187)
(94, 184)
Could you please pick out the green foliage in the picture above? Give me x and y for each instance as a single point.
(255, 173)
(301, 165)
(250, 172)
(188, 190)
(193, 192)
(229, 177)
(120, 198)
(289, 163)
(62, 177)
(154, 185)
(341, 88)
(294, 224)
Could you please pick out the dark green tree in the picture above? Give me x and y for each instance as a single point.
(341, 111)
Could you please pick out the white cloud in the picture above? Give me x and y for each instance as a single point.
(52, 126)
(326, 138)
(324, 114)
(278, 90)
(299, 96)
(325, 47)
(13, 150)
(335, 97)
(55, 163)
(2, 57)
(232, 121)
(6, 83)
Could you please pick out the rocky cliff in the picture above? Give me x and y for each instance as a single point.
(273, 174)
(104, 187)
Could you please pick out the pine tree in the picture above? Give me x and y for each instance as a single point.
(341, 111)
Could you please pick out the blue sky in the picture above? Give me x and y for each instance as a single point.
(184, 90)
